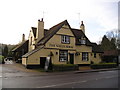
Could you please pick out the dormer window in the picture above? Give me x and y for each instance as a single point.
(65, 39)
(82, 40)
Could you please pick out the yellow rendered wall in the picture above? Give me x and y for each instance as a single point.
(83, 48)
(24, 61)
(31, 47)
(97, 59)
(56, 39)
(65, 31)
(78, 59)
(35, 57)
(55, 57)
(80, 49)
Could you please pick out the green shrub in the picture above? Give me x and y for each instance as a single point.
(103, 65)
(1, 59)
(65, 67)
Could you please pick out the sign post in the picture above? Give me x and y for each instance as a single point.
(47, 63)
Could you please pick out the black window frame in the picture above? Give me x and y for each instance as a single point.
(95, 55)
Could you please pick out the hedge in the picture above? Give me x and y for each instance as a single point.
(103, 65)
(1, 59)
(64, 67)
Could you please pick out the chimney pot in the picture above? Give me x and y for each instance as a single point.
(23, 37)
(82, 27)
(42, 19)
(81, 22)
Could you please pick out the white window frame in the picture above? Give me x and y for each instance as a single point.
(82, 40)
(85, 56)
(65, 39)
(63, 55)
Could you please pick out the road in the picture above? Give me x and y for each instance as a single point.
(13, 78)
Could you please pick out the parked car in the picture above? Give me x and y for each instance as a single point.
(19, 61)
(9, 58)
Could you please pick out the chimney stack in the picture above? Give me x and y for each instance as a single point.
(23, 37)
(82, 27)
(40, 30)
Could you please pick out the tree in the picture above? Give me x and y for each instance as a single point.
(112, 44)
(5, 51)
(118, 40)
(114, 34)
(105, 43)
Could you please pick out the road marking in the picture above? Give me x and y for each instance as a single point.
(96, 79)
(111, 71)
(110, 77)
(0, 76)
(61, 84)
(83, 81)
(107, 71)
(101, 72)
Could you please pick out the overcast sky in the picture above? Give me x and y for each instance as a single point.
(18, 16)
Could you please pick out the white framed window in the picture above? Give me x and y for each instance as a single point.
(63, 55)
(65, 39)
(82, 40)
(84, 56)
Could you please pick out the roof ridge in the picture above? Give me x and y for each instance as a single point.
(58, 24)
(33, 27)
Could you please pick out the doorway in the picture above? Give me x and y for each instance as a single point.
(42, 62)
(71, 58)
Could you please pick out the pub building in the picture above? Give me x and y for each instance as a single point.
(61, 44)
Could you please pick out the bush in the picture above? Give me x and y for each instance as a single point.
(65, 67)
(1, 59)
(103, 65)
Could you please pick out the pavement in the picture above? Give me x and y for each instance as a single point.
(21, 68)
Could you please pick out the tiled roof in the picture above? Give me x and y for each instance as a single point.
(18, 48)
(34, 29)
(96, 48)
(78, 35)
(45, 31)
(31, 52)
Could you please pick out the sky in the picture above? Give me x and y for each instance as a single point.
(18, 16)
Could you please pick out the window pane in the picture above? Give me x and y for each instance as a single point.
(63, 55)
(85, 56)
(65, 39)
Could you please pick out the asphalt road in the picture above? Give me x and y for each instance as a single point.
(13, 78)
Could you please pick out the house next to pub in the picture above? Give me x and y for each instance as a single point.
(60, 44)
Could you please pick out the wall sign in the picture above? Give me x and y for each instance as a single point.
(60, 46)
